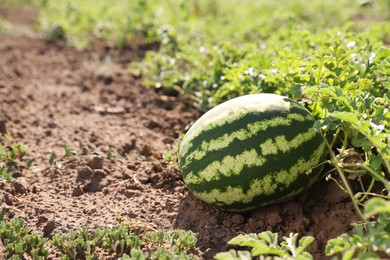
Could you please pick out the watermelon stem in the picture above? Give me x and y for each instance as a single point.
(366, 193)
(340, 171)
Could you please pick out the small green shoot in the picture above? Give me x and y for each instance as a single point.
(52, 158)
(11, 154)
(78, 244)
(69, 152)
(110, 154)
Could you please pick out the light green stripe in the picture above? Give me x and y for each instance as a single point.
(281, 144)
(233, 110)
(241, 134)
(266, 185)
(236, 194)
(228, 166)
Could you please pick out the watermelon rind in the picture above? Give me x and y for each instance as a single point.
(252, 151)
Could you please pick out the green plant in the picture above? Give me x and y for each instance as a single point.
(267, 244)
(125, 241)
(2, 213)
(18, 241)
(121, 240)
(171, 155)
(182, 240)
(11, 153)
(76, 244)
(69, 152)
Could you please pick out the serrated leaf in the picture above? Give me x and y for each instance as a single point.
(250, 240)
(346, 117)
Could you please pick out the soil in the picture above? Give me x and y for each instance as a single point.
(52, 95)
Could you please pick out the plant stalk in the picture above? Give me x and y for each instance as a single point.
(335, 163)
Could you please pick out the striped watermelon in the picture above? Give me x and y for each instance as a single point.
(251, 151)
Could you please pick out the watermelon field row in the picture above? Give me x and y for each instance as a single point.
(332, 57)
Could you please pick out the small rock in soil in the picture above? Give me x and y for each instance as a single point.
(20, 185)
(273, 218)
(153, 125)
(233, 220)
(84, 172)
(49, 227)
(89, 211)
(129, 145)
(255, 224)
(8, 199)
(292, 208)
(78, 191)
(143, 178)
(237, 219)
(41, 220)
(96, 163)
(3, 129)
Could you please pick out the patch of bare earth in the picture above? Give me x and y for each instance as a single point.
(51, 95)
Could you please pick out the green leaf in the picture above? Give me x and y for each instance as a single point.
(368, 256)
(375, 161)
(52, 158)
(2, 213)
(348, 254)
(376, 206)
(233, 255)
(68, 151)
(337, 245)
(271, 238)
(29, 163)
(305, 242)
(366, 145)
(250, 240)
(348, 117)
(358, 139)
(263, 249)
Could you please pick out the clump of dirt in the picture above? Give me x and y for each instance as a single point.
(52, 95)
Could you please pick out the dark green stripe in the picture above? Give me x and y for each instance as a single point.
(301, 181)
(274, 164)
(238, 146)
(228, 128)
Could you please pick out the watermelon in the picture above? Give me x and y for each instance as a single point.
(252, 151)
